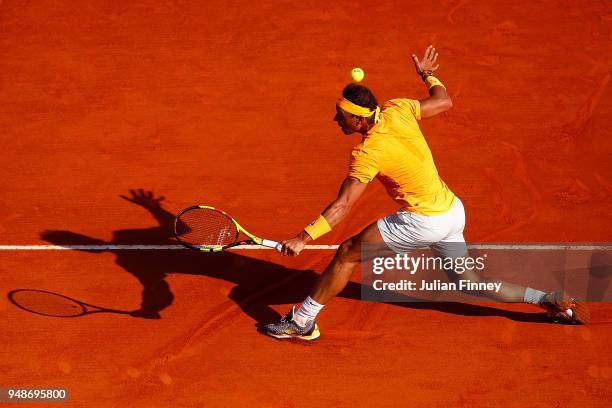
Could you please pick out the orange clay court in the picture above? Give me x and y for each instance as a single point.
(231, 104)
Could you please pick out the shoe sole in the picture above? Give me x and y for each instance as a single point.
(288, 336)
(315, 335)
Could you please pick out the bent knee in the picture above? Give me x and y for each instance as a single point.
(464, 274)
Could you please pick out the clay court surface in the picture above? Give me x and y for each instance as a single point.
(230, 104)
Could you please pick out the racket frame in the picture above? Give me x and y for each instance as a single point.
(253, 239)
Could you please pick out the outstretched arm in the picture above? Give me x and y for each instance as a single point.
(350, 191)
(438, 101)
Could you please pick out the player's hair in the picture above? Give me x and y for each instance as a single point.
(362, 96)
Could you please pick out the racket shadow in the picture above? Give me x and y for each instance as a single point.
(51, 304)
(259, 284)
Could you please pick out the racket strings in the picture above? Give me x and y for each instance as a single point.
(206, 227)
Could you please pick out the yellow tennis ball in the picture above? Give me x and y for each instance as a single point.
(357, 74)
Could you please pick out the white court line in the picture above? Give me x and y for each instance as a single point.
(543, 247)
(518, 247)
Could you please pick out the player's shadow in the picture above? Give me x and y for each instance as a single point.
(259, 284)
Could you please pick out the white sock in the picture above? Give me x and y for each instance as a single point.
(534, 296)
(307, 311)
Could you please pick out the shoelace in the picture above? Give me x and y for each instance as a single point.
(288, 317)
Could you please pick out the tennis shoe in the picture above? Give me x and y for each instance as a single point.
(287, 328)
(565, 309)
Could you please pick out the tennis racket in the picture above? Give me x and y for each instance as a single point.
(47, 303)
(209, 229)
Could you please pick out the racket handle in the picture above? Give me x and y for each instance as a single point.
(272, 244)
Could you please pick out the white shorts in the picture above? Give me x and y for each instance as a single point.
(406, 231)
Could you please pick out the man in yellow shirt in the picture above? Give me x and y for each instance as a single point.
(394, 150)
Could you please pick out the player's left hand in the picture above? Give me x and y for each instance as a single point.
(428, 63)
(144, 198)
(293, 246)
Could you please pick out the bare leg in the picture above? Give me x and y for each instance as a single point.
(509, 292)
(349, 255)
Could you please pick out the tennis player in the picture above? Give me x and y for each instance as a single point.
(394, 150)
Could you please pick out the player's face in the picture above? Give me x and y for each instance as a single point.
(346, 121)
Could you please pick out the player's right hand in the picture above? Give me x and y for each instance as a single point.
(293, 246)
